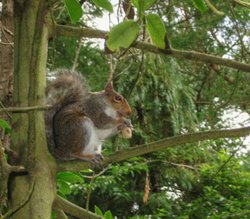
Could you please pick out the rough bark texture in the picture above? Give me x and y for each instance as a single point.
(28, 137)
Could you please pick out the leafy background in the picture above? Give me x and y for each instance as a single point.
(209, 179)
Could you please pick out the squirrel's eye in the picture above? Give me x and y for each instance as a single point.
(118, 98)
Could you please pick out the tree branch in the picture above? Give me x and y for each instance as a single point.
(214, 9)
(156, 146)
(178, 54)
(5, 171)
(242, 3)
(60, 214)
(72, 209)
(24, 109)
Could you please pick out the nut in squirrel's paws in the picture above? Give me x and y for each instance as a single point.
(126, 129)
(126, 132)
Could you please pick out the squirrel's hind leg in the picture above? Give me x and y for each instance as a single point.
(93, 158)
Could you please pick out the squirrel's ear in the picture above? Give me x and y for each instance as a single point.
(109, 87)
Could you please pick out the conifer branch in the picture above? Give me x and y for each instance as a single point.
(178, 54)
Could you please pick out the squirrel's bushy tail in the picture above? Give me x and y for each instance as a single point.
(67, 88)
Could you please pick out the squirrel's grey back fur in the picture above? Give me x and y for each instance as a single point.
(66, 89)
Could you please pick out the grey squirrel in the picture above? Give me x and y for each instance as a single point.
(79, 121)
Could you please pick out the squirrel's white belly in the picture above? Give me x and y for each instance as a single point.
(97, 136)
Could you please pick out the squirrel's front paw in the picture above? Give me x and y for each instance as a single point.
(127, 123)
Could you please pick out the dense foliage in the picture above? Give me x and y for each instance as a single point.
(205, 180)
(169, 96)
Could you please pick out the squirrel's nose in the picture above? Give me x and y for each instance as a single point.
(129, 112)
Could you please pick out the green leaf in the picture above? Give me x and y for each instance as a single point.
(122, 35)
(75, 10)
(108, 215)
(69, 177)
(98, 211)
(87, 171)
(105, 4)
(63, 187)
(156, 30)
(142, 5)
(200, 5)
(5, 126)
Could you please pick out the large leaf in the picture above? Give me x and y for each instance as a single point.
(200, 5)
(105, 4)
(63, 187)
(75, 10)
(156, 30)
(69, 177)
(122, 35)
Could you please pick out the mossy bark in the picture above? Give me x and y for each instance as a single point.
(34, 191)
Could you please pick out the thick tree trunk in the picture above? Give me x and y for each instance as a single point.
(32, 193)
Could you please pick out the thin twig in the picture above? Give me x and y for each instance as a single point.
(227, 161)
(231, 93)
(7, 43)
(214, 9)
(140, 68)
(4, 30)
(24, 109)
(239, 32)
(2, 106)
(175, 164)
(96, 175)
(112, 67)
(77, 55)
(5, 171)
(8, 31)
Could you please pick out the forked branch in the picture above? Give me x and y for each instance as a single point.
(72, 209)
